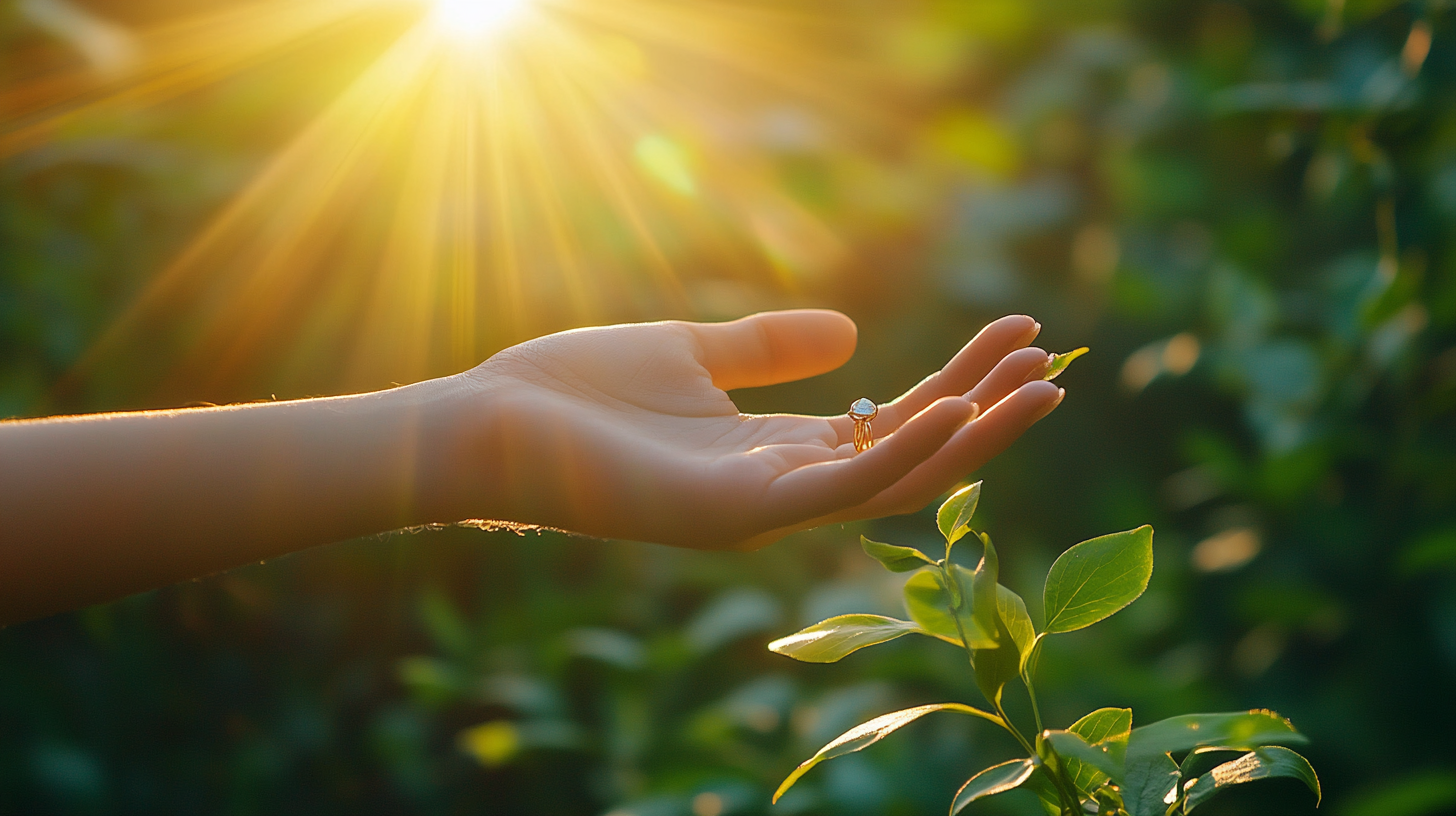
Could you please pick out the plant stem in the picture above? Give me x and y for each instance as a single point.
(1035, 711)
(1066, 791)
(955, 613)
(1025, 743)
(1059, 781)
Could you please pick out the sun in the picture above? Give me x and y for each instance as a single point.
(475, 19)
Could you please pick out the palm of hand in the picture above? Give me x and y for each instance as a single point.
(628, 432)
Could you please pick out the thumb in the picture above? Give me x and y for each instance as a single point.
(774, 347)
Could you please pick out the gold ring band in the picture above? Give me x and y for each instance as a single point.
(862, 411)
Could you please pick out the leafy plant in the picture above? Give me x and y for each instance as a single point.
(1098, 764)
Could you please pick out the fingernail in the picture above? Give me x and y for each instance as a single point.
(1061, 392)
(975, 411)
(1041, 368)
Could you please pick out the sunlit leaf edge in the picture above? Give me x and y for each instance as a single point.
(872, 731)
(881, 629)
(1024, 769)
(1060, 362)
(1063, 564)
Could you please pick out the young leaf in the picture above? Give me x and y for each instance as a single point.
(1018, 623)
(1238, 730)
(895, 558)
(930, 606)
(1149, 785)
(995, 667)
(1096, 578)
(1046, 793)
(1073, 748)
(1260, 763)
(1106, 729)
(1060, 362)
(1104, 726)
(1030, 655)
(954, 517)
(868, 733)
(983, 588)
(995, 779)
(830, 640)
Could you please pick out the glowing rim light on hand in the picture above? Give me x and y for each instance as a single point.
(474, 19)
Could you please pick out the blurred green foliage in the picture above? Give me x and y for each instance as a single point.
(1245, 209)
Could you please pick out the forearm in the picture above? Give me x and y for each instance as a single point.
(96, 507)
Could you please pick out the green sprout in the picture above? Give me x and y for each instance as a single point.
(1099, 764)
(1059, 363)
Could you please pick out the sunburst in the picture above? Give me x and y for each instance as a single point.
(500, 168)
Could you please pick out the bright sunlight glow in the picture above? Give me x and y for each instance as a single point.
(478, 172)
(473, 19)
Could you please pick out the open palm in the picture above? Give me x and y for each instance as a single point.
(628, 432)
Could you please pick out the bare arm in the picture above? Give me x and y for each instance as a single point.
(95, 507)
(624, 431)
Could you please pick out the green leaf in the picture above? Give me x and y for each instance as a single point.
(1072, 748)
(1104, 726)
(1149, 784)
(995, 667)
(830, 640)
(1237, 730)
(1106, 729)
(954, 517)
(1018, 623)
(893, 557)
(1040, 784)
(1096, 578)
(1108, 799)
(1060, 362)
(1260, 763)
(930, 605)
(983, 589)
(1030, 655)
(868, 733)
(995, 779)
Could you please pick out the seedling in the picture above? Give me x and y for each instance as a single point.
(1098, 764)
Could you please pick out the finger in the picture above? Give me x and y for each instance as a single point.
(967, 368)
(1010, 373)
(818, 489)
(971, 447)
(1015, 369)
(774, 347)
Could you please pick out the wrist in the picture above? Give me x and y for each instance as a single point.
(453, 437)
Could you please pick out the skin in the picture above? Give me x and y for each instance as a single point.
(621, 432)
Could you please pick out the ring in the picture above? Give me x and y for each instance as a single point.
(862, 411)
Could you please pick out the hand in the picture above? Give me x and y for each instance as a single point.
(627, 432)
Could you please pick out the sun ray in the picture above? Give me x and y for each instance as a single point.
(497, 169)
